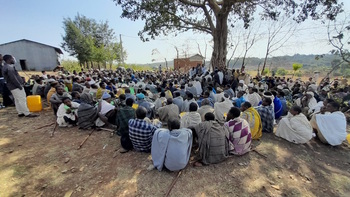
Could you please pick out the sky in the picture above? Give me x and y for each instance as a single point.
(41, 21)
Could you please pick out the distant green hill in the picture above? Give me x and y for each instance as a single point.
(286, 62)
(308, 61)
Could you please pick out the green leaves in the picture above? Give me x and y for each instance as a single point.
(213, 17)
(297, 66)
(90, 41)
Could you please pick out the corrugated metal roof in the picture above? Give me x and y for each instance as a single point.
(58, 50)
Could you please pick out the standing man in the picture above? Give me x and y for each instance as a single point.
(15, 85)
(2, 83)
(4, 91)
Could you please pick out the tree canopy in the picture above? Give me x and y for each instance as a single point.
(214, 17)
(90, 41)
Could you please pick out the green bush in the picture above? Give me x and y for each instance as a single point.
(282, 71)
(266, 71)
(71, 65)
(298, 73)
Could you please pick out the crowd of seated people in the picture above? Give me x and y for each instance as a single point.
(209, 114)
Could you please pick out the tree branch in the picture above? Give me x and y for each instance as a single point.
(208, 17)
(197, 5)
(195, 25)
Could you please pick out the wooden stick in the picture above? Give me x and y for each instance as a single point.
(173, 183)
(85, 139)
(259, 153)
(54, 129)
(47, 125)
(105, 129)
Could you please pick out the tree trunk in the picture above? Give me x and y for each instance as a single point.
(264, 65)
(166, 64)
(218, 58)
(92, 64)
(243, 59)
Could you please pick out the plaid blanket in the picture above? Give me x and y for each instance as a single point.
(213, 144)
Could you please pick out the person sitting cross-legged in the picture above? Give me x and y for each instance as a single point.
(67, 113)
(107, 113)
(87, 112)
(212, 140)
(141, 131)
(295, 127)
(178, 100)
(56, 98)
(330, 125)
(240, 137)
(171, 147)
(125, 114)
(170, 110)
(221, 108)
(205, 108)
(267, 115)
(191, 118)
(252, 116)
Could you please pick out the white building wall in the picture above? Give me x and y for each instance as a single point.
(38, 57)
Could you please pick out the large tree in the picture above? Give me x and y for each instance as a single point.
(90, 41)
(214, 17)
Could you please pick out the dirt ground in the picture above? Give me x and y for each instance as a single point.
(34, 164)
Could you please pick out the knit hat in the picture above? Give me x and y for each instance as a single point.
(140, 96)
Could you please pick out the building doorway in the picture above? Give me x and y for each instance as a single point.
(23, 64)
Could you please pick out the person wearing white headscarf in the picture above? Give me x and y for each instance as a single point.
(242, 87)
(221, 108)
(253, 97)
(309, 102)
(270, 95)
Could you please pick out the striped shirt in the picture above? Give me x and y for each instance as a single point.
(141, 134)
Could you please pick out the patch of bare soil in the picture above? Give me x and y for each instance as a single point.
(34, 164)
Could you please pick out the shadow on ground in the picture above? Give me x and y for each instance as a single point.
(34, 164)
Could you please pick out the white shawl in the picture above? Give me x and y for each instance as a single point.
(220, 109)
(332, 126)
(296, 129)
(190, 119)
(312, 103)
(254, 99)
(106, 107)
(61, 113)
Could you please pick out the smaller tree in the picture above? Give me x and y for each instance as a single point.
(296, 67)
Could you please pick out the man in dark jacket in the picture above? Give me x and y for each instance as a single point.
(15, 85)
(4, 91)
